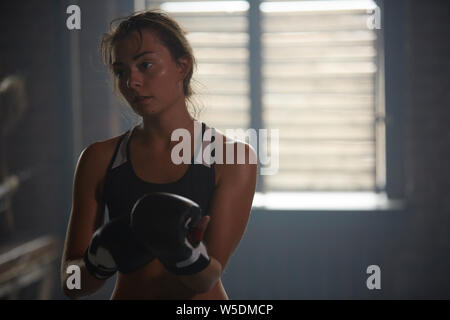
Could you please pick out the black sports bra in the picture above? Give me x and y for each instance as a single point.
(123, 187)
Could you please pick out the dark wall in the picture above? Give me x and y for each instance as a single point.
(36, 44)
(427, 145)
(318, 255)
(30, 45)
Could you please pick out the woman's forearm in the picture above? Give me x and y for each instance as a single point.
(88, 283)
(205, 280)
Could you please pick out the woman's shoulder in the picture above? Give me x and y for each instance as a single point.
(239, 147)
(92, 165)
(100, 153)
(241, 162)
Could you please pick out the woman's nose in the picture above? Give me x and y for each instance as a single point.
(134, 81)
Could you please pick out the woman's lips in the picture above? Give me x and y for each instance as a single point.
(140, 99)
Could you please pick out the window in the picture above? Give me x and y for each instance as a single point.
(319, 63)
(308, 68)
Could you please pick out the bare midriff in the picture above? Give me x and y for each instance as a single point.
(154, 282)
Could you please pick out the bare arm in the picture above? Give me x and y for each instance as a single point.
(86, 216)
(229, 214)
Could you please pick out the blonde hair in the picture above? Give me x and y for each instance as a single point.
(169, 33)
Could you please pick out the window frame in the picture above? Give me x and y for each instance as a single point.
(256, 108)
(392, 13)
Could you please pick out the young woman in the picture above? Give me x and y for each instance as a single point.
(153, 64)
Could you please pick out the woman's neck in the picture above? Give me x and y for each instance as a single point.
(157, 131)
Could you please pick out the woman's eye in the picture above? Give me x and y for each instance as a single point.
(146, 65)
(118, 73)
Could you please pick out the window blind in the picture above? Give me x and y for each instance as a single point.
(319, 73)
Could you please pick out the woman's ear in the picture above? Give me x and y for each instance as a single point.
(184, 65)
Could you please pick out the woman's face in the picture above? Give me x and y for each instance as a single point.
(148, 77)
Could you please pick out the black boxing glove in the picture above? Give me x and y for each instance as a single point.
(113, 247)
(165, 224)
